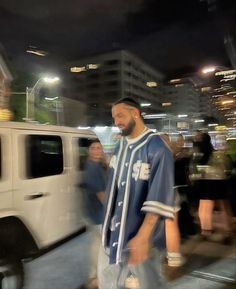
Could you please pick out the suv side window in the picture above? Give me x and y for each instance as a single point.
(83, 144)
(44, 156)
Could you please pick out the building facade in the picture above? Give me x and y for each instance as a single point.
(180, 97)
(100, 80)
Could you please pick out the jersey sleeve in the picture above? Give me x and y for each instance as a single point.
(160, 197)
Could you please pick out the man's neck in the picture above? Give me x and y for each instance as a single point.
(139, 130)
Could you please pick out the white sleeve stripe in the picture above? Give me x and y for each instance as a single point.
(157, 211)
(159, 206)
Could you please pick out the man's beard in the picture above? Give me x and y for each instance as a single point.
(128, 130)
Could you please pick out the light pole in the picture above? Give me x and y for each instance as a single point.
(30, 95)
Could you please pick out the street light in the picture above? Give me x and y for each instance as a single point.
(209, 69)
(51, 79)
(30, 94)
(213, 69)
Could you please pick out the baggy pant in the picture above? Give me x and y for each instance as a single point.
(113, 276)
(95, 243)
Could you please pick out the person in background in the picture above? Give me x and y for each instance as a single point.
(210, 185)
(166, 138)
(182, 156)
(231, 153)
(139, 197)
(95, 182)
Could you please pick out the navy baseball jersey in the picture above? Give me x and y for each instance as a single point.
(140, 180)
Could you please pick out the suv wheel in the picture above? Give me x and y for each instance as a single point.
(11, 274)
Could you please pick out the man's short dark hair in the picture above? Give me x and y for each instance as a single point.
(129, 101)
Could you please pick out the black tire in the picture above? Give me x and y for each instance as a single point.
(11, 274)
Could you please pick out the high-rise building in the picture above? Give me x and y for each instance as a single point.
(102, 79)
(187, 104)
(180, 96)
(191, 95)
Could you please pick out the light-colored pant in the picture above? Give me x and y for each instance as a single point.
(95, 244)
(112, 276)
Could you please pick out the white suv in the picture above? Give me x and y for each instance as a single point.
(40, 201)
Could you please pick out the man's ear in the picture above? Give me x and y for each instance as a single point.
(135, 113)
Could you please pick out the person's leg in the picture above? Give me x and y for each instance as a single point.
(205, 213)
(185, 215)
(95, 235)
(226, 215)
(149, 273)
(107, 273)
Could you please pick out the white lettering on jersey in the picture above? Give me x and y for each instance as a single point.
(141, 170)
(144, 171)
(113, 162)
(136, 169)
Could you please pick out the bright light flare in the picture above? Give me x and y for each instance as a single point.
(227, 102)
(51, 98)
(37, 52)
(51, 79)
(145, 104)
(213, 124)
(182, 115)
(84, 127)
(154, 116)
(208, 69)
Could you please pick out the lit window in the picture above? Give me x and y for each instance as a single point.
(93, 66)
(175, 80)
(77, 69)
(226, 72)
(207, 88)
(166, 104)
(151, 83)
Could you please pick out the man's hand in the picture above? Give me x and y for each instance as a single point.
(139, 250)
(140, 246)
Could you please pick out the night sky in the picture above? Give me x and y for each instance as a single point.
(174, 36)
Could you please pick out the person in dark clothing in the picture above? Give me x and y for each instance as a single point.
(95, 182)
(231, 154)
(210, 184)
(182, 157)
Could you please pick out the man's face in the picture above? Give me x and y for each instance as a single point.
(123, 118)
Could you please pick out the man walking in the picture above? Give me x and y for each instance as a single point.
(139, 196)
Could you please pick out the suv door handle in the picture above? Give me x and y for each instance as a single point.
(35, 196)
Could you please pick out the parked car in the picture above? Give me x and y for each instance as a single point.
(41, 167)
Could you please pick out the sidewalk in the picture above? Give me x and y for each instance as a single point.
(209, 265)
